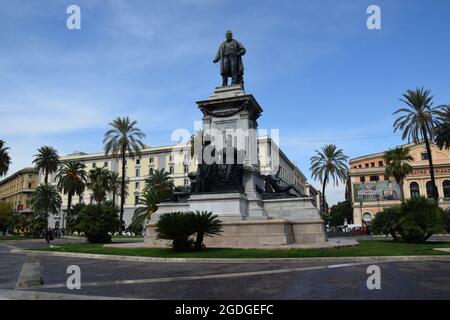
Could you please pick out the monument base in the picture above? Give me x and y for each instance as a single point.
(255, 234)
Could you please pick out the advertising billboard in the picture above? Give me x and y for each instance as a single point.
(380, 190)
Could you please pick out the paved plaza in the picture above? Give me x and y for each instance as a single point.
(109, 279)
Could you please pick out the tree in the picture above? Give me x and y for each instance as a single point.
(99, 183)
(5, 159)
(158, 187)
(46, 160)
(196, 142)
(340, 212)
(46, 199)
(114, 185)
(397, 165)
(6, 212)
(162, 182)
(71, 178)
(147, 206)
(442, 133)
(123, 138)
(417, 123)
(329, 163)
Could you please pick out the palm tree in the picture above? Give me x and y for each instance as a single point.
(397, 165)
(442, 134)
(46, 199)
(99, 179)
(124, 137)
(195, 143)
(114, 185)
(161, 181)
(329, 163)
(46, 160)
(417, 123)
(158, 187)
(71, 178)
(5, 159)
(148, 205)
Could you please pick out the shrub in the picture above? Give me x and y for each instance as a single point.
(388, 222)
(205, 224)
(421, 218)
(72, 218)
(178, 227)
(6, 211)
(98, 222)
(446, 220)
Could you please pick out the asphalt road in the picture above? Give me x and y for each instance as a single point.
(179, 281)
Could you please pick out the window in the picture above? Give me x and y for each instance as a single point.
(414, 189)
(151, 160)
(429, 187)
(94, 165)
(136, 200)
(380, 163)
(171, 170)
(446, 187)
(105, 164)
(374, 178)
(367, 165)
(136, 185)
(138, 172)
(186, 168)
(30, 185)
(424, 156)
(151, 171)
(360, 166)
(372, 164)
(138, 161)
(30, 176)
(386, 178)
(170, 158)
(362, 179)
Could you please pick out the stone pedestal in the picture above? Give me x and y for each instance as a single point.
(248, 220)
(228, 206)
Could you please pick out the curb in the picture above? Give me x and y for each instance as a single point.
(234, 260)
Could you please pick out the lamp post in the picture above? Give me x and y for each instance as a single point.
(360, 207)
(378, 201)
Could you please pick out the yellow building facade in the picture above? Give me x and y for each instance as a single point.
(372, 190)
(18, 189)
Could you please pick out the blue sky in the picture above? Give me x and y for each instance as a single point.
(320, 75)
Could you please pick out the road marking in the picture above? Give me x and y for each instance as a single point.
(199, 277)
(36, 295)
(336, 266)
(30, 275)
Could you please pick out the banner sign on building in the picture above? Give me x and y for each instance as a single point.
(381, 190)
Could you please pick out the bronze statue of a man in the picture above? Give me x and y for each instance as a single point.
(230, 55)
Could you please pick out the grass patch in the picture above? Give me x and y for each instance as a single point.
(364, 249)
(15, 237)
